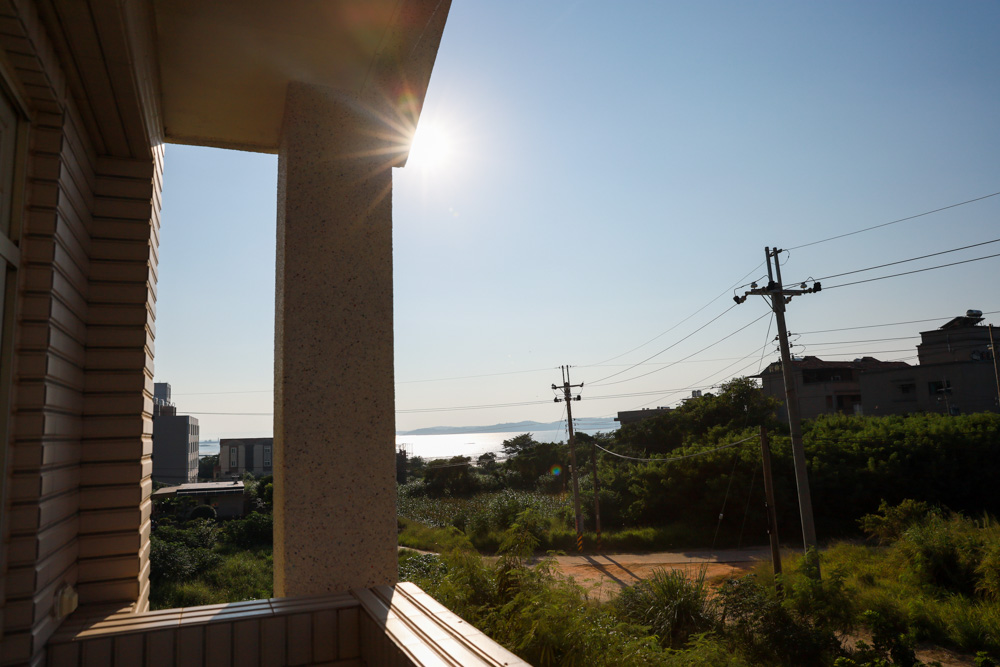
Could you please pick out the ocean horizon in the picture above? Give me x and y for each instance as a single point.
(446, 445)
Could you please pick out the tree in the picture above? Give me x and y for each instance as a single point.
(518, 445)
(487, 462)
(206, 466)
(450, 478)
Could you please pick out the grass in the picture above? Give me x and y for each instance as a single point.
(242, 575)
(416, 535)
(874, 578)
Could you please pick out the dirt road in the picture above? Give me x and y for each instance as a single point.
(605, 574)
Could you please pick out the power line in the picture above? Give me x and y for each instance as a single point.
(869, 340)
(906, 273)
(735, 374)
(484, 375)
(912, 259)
(893, 222)
(675, 458)
(690, 355)
(888, 324)
(608, 377)
(663, 333)
(767, 339)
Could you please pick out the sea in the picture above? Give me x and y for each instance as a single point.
(446, 445)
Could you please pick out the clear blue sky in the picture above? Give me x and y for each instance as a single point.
(611, 172)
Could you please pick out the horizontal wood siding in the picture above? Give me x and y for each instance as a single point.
(50, 343)
(79, 458)
(117, 429)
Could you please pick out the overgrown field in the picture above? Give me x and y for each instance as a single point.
(933, 578)
(201, 562)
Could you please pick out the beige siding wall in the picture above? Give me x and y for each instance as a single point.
(78, 484)
(115, 476)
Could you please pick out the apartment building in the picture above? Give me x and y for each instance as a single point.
(956, 374)
(823, 387)
(239, 456)
(90, 93)
(175, 440)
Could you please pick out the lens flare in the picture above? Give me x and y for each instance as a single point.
(556, 470)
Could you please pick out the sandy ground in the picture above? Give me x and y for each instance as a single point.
(606, 574)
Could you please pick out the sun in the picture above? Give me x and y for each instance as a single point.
(432, 147)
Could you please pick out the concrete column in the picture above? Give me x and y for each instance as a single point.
(334, 422)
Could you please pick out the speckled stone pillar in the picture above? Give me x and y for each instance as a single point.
(334, 422)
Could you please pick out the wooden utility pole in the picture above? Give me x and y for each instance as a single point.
(569, 398)
(772, 517)
(993, 351)
(779, 297)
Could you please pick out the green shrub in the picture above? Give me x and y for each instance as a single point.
(826, 601)
(891, 521)
(988, 571)
(253, 531)
(246, 575)
(203, 512)
(239, 576)
(943, 552)
(176, 561)
(766, 632)
(673, 607)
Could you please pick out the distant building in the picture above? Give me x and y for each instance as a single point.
(226, 497)
(824, 387)
(239, 456)
(175, 440)
(955, 374)
(633, 416)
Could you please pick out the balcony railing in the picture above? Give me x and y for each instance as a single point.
(387, 626)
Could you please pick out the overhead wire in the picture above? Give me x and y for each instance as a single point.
(907, 273)
(675, 344)
(674, 458)
(888, 324)
(767, 339)
(893, 222)
(600, 383)
(904, 261)
(663, 333)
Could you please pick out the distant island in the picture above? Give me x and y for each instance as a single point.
(585, 424)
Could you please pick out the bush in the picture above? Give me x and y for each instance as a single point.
(672, 606)
(199, 533)
(766, 632)
(253, 531)
(891, 521)
(204, 512)
(175, 561)
(943, 552)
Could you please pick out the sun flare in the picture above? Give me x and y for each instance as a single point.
(432, 146)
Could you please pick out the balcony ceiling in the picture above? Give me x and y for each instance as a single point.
(224, 64)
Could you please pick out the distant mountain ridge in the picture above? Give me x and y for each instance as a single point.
(586, 424)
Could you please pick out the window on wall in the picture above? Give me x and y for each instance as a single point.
(234, 457)
(267, 457)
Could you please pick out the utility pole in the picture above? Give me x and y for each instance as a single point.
(772, 517)
(597, 494)
(567, 396)
(779, 297)
(993, 352)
